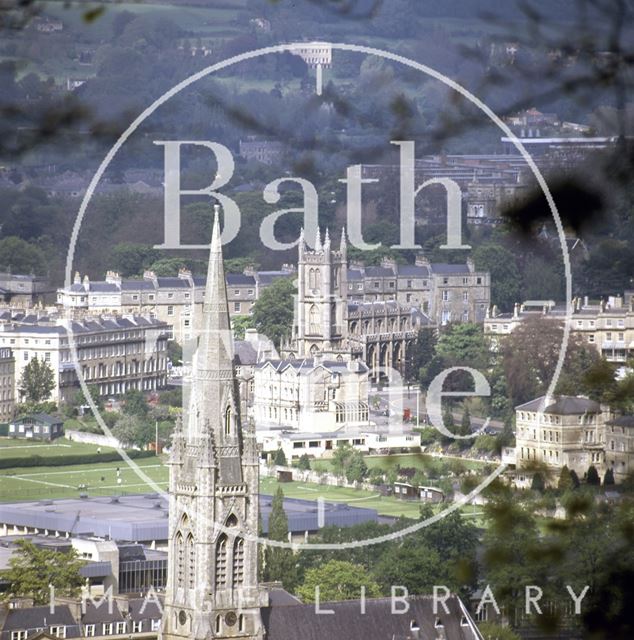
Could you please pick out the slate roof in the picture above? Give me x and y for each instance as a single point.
(442, 268)
(378, 623)
(412, 270)
(562, 405)
(38, 618)
(622, 421)
(379, 272)
(244, 353)
(234, 279)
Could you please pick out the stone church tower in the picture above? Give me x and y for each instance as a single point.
(212, 588)
(322, 292)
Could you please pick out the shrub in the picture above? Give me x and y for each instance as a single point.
(70, 459)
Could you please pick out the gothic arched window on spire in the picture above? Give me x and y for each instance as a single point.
(221, 562)
(311, 279)
(238, 562)
(191, 562)
(228, 421)
(180, 560)
(317, 279)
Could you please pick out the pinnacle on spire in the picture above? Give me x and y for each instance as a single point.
(327, 238)
(343, 245)
(318, 240)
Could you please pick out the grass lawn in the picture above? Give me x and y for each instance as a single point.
(13, 447)
(36, 483)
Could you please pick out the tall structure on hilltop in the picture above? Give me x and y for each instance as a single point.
(212, 588)
(322, 291)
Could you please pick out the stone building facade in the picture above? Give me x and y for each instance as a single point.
(606, 325)
(115, 353)
(7, 384)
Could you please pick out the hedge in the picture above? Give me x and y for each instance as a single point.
(71, 459)
(4, 428)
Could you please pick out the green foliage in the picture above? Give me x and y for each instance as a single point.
(134, 430)
(172, 397)
(493, 631)
(337, 580)
(608, 478)
(279, 562)
(135, 404)
(592, 476)
(240, 324)
(80, 399)
(174, 352)
(37, 381)
(565, 480)
(273, 312)
(33, 569)
(131, 259)
(356, 468)
(538, 483)
(505, 276)
(19, 256)
(280, 458)
(421, 353)
(27, 408)
(304, 462)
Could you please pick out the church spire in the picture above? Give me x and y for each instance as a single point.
(215, 386)
(318, 240)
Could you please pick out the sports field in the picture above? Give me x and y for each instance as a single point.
(49, 482)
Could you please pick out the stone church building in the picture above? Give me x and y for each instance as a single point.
(212, 589)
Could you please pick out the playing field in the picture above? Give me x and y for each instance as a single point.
(12, 448)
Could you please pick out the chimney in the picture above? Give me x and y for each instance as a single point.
(516, 310)
(184, 273)
(77, 278)
(388, 262)
(495, 311)
(113, 277)
(150, 275)
(585, 301)
(422, 261)
(470, 265)
(86, 281)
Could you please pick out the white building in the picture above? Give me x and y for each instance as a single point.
(311, 395)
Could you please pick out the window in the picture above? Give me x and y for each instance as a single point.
(445, 295)
(107, 628)
(236, 306)
(120, 627)
(591, 337)
(170, 295)
(377, 284)
(445, 280)
(478, 280)
(238, 562)
(89, 630)
(137, 626)
(608, 336)
(18, 635)
(236, 292)
(409, 284)
(465, 296)
(47, 356)
(221, 563)
(26, 355)
(390, 285)
(170, 310)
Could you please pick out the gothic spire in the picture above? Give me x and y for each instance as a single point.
(214, 383)
(318, 240)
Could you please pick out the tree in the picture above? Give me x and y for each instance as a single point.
(537, 483)
(37, 381)
(80, 399)
(273, 311)
(131, 259)
(135, 404)
(33, 569)
(279, 562)
(565, 480)
(341, 458)
(592, 477)
(575, 479)
(608, 478)
(280, 458)
(240, 324)
(19, 256)
(337, 580)
(133, 431)
(493, 631)
(505, 276)
(421, 353)
(304, 462)
(356, 468)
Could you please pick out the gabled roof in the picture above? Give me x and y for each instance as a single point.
(622, 421)
(105, 611)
